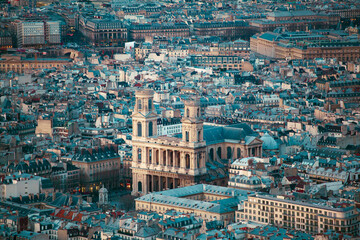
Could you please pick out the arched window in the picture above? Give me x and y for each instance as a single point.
(219, 152)
(187, 161)
(150, 129)
(139, 154)
(139, 186)
(199, 136)
(186, 136)
(211, 154)
(139, 129)
(187, 112)
(139, 104)
(238, 153)
(150, 104)
(228, 152)
(198, 112)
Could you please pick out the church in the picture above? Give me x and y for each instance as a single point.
(200, 154)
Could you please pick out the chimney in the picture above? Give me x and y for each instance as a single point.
(53, 196)
(70, 200)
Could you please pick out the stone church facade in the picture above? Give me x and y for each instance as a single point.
(201, 154)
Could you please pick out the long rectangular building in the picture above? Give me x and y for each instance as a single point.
(20, 64)
(301, 45)
(221, 62)
(139, 32)
(310, 216)
(103, 31)
(206, 201)
(228, 30)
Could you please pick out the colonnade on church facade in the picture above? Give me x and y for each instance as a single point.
(170, 158)
(152, 181)
(160, 183)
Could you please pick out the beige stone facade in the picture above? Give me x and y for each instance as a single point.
(20, 65)
(165, 162)
(300, 215)
(272, 48)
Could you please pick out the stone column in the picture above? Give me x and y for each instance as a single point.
(174, 183)
(146, 155)
(167, 157)
(174, 158)
(145, 184)
(161, 153)
(160, 184)
(166, 183)
(192, 160)
(152, 156)
(182, 155)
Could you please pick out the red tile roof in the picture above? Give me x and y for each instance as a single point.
(78, 217)
(60, 214)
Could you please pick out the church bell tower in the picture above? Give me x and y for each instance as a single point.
(192, 124)
(144, 118)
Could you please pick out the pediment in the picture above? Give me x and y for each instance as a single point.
(255, 141)
(141, 115)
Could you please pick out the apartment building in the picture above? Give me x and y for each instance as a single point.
(221, 62)
(98, 166)
(165, 127)
(30, 33)
(5, 39)
(301, 45)
(139, 32)
(103, 31)
(310, 216)
(53, 32)
(38, 33)
(227, 29)
(19, 184)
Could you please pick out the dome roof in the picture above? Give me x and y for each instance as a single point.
(269, 142)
